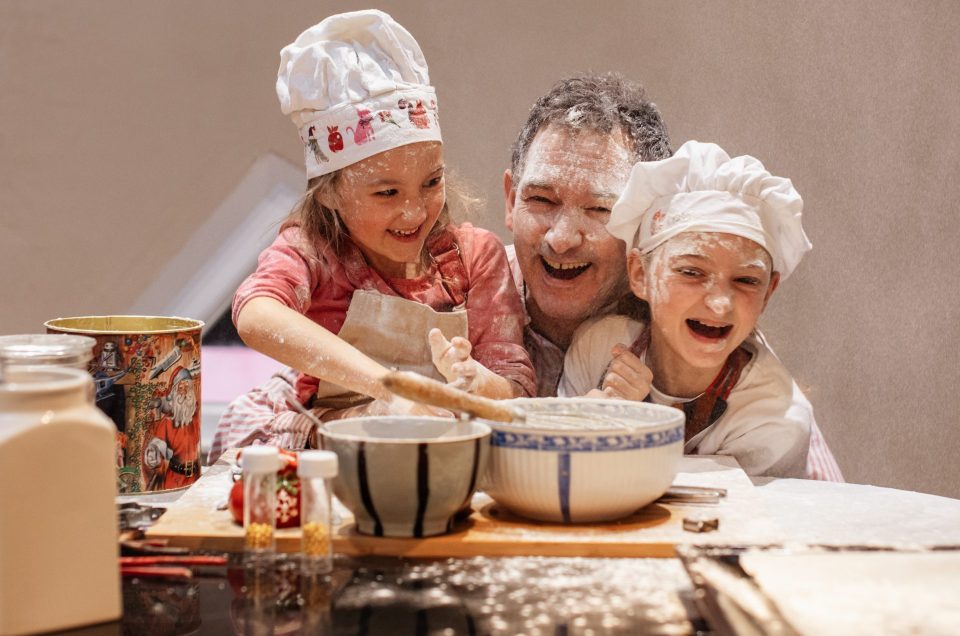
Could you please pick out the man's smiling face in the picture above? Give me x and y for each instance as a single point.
(557, 210)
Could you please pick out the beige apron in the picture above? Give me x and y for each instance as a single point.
(393, 331)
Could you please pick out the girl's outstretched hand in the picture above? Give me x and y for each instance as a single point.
(452, 359)
(627, 378)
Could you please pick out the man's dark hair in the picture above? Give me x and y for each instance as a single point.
(597, 103)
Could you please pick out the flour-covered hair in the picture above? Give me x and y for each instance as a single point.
(601, 103)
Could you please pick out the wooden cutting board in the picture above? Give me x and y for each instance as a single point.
(193, 521)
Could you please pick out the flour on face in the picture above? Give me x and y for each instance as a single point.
(558, 209)
(706, 291)
(391, 201)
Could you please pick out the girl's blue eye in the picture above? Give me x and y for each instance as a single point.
(686, 271)
(386, 193)
(432, 183)
(747, 280)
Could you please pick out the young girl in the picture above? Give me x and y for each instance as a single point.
(709, 238)
(369, 264)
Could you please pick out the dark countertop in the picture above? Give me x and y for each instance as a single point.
(529, 595)
(517, 595)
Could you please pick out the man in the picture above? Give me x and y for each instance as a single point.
(570, 163)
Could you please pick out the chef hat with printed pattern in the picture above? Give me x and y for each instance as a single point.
(355, 85)
(701, 189)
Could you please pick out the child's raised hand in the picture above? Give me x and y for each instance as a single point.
(627, 377)
(452, 359)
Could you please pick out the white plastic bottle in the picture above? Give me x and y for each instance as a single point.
(58, 518)
(260, 465)
(316, 470)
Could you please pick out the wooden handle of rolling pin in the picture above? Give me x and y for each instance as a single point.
(419, 388)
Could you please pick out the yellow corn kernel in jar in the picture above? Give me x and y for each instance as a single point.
(259, 536)
(316, 540)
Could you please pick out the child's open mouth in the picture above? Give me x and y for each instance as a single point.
(405, 235)
(564, 271)
(709, 331)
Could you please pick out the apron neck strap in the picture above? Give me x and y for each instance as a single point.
(444, 251)
(359, 272)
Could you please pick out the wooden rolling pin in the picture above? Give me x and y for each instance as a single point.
(419, 388)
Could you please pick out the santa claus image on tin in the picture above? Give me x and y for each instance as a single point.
(171, 449)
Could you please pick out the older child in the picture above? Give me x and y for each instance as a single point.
(369, 263)
(709, 238)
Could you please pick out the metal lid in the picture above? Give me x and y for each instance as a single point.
(317, 463)
(47, 349)
(23, 379)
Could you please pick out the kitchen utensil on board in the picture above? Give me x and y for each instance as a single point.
(418, 388)
(678, 494)
(136, 516)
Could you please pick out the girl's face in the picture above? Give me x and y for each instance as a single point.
(389, 202)
(706, 291)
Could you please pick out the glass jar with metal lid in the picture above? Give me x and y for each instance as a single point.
(46, 350)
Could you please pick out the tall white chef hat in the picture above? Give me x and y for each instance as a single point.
(701, 189)
(356, 84)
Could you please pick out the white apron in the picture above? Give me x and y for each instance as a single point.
(393, 331)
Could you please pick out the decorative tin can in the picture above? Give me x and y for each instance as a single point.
(146, 370)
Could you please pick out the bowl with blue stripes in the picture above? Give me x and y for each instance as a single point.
(583, 460)
(406, 476)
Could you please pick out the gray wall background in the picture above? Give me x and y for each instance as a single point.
(124, 125)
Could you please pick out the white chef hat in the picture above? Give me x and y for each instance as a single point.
(701, 189)
(355, 85)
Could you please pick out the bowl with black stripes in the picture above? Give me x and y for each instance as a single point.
(583, 460)
(406, 476)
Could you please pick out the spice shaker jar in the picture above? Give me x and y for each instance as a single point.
(260, 465)
(58, 519)
(316, 470)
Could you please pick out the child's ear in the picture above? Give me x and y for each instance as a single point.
(636, 274)
(774, 281)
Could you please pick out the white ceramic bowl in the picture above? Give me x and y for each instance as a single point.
(406, 476)
(625, 458)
